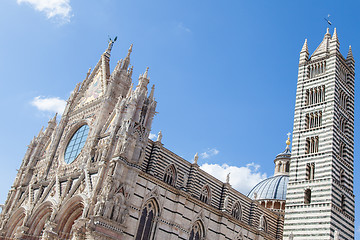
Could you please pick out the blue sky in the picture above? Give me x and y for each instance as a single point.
(225, 72)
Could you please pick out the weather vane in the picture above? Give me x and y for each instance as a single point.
(328, 20)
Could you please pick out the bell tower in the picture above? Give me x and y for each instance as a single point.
(320, 199)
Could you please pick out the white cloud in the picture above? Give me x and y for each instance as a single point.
(242, 179)
(209, 153)
(55, 9)
(52, 104)
(153, 136)
(182, 28)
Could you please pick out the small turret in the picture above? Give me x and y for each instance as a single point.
(334, 43)
(304, 53)
(282, 160)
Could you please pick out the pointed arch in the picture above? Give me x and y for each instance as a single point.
(15, 221)
(205, 195)
(37, 222)
(197, 231)
(147, 221)
(170, 175)
(68, 214)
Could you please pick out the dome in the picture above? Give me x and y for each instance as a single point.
(271, 188)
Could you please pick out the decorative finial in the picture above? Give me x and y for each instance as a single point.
(130, 49)
(228, 178)
(146, 72)
(288, 140)
(327, 31)
(334, 37)
(196, 157)
(159, 137)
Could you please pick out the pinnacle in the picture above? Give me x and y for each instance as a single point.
(305, 47)
(335, 37)
(349, 55)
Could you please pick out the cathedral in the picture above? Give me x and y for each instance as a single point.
(94, 174)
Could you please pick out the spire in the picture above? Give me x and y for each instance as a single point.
(53, 120)
(145, 75)
(327, 34)
(151, 96)
(349, 55)
(305, 47)
(127, 59)
(143, 80)
(335, 37)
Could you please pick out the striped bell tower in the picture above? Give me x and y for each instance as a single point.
(320, 199)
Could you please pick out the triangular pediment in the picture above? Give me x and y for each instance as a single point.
(93, 88)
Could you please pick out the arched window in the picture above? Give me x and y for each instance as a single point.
(279, 166)
(342, 150)
(197, 231)
(76, 144)
(146, 226)
(310, 171)
(263, 223)
(287, 167)
(236, 211)
(342, 177)
(205, 194)
(307, 197)
(307, 147)
(170, 175)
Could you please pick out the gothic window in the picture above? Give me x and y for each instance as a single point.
(342, 177)
(313, 120)
(310, 171)
(315, 95)
(342, 150)
(342, 202)
(307, 197)
(197, 231)
(343, 100)
(307, 147)
(312, 145)
(342, 124)
(317, 69)
(76, 144)
(147, 221)
(236, 211)
(170, 175)
(205, 194)
(263, 223)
